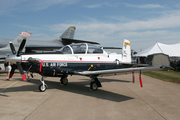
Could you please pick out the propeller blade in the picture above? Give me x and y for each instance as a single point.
(21, 71)
(12, 48)
(12, 70)
(21, 46)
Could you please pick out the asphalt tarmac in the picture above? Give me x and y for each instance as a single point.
(118, 99)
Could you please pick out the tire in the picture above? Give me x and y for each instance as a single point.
(93, 86)
(64, 81)
(42, 88)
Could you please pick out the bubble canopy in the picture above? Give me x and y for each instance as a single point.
(81, 48)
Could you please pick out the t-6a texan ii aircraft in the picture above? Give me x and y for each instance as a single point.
(77, 59)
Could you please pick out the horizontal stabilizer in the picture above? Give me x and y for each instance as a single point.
(111, 48)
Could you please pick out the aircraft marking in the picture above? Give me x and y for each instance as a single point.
(126, 43)
(71, 28)
(24, 33)
(54, 64)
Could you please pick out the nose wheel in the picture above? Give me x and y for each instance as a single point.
(42, 87)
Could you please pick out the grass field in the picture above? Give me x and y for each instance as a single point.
(169, 76)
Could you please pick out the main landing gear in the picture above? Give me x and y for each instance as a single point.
(64, 80)
(94, 84)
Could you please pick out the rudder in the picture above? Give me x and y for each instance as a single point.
(126, 51)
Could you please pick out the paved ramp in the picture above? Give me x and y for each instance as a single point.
(118, 99)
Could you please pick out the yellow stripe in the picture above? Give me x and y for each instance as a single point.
(4, 83)
(9, 85)
(126, 43)
(71, 28)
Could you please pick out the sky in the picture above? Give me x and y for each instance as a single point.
(109, 22)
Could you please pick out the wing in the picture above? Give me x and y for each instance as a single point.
(67, 41)
(122, 71)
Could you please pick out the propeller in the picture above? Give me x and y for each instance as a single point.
(17, 59)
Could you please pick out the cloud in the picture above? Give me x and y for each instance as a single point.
(120, 18)
(98, 5)
(43, 4)
(162, 22)
(8, 6)
(149, 6)
(166, 21)
(145, 32)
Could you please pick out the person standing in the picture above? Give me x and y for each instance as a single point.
(8, 70)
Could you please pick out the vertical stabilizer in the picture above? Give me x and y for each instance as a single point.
(69, 33)
(126, 51)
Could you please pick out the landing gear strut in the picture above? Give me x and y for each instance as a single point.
(94, 84)
(42, 86)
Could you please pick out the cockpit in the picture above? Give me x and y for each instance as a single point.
(81, 48)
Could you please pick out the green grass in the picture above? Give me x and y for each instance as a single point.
(169, 76)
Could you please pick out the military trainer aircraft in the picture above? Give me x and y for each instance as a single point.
(77, 59)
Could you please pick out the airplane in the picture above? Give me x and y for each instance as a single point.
(34, 46)
(77, 59)
(38, 45)
(6, 51)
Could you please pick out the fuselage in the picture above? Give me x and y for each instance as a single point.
(73, 58)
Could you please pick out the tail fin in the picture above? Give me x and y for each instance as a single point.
(126, 51)
(69, 33)
(17, 41)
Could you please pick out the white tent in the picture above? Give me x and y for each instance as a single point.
(171, 50)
